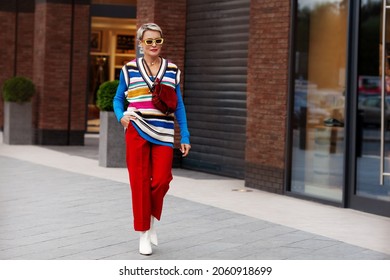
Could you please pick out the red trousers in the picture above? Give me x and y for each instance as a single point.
(150, 172)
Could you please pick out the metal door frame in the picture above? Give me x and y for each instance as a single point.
(385, 7)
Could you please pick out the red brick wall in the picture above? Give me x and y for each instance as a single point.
(52, 61)
(267, 94)
(80, 67)
(7, 53)
(170, 15)
(25, 46)
(146, 11)
(51, 64)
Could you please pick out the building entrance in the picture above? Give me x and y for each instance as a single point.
(340, 131)
(372, 114)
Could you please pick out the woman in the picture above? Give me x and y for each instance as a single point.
(149, 132)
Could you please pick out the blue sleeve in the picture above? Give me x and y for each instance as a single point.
(119, 98)
(181, 117)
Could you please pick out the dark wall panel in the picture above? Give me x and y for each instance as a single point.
(215, 79)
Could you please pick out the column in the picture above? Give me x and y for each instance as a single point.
(60, 67)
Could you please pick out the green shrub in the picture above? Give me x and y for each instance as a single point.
(18, 89)
(106, 94)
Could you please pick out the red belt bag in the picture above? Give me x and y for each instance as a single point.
(164, 97)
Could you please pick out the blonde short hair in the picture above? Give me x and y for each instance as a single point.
(148, 26)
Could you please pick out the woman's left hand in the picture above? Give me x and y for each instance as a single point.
(185, 149)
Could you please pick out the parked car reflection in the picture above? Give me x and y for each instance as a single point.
(370, 110)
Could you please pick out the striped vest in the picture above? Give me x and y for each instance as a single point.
(150, 121)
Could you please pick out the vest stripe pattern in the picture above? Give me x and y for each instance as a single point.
(150, 122)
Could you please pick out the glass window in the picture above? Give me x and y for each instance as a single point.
(369, 118)
(319, 99)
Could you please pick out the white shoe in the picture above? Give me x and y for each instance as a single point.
(152, 232)
(145, 247)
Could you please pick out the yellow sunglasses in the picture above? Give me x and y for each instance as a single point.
(157, 41)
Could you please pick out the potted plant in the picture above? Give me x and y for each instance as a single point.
(17, 93)
(112, 146)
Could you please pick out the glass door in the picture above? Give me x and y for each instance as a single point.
(372, 155)
(318, 132)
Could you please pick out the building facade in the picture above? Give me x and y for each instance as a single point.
(289, 95)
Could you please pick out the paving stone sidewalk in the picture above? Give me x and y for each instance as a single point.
(51, 214)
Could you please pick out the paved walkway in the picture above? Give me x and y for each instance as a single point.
(57, 203)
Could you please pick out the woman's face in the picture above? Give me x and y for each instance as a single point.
(154, 49)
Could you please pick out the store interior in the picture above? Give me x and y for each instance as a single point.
(112, 44)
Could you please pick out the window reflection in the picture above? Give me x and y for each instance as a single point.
(319, 99)
(368, 137)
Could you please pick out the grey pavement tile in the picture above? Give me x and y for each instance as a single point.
(365, 254)
(280, 253)
(314, 243)
(339, 250)
(196, 251)
(288, 239)
(272, 231)
(103, 251)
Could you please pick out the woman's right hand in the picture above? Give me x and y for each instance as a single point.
(125, 120)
